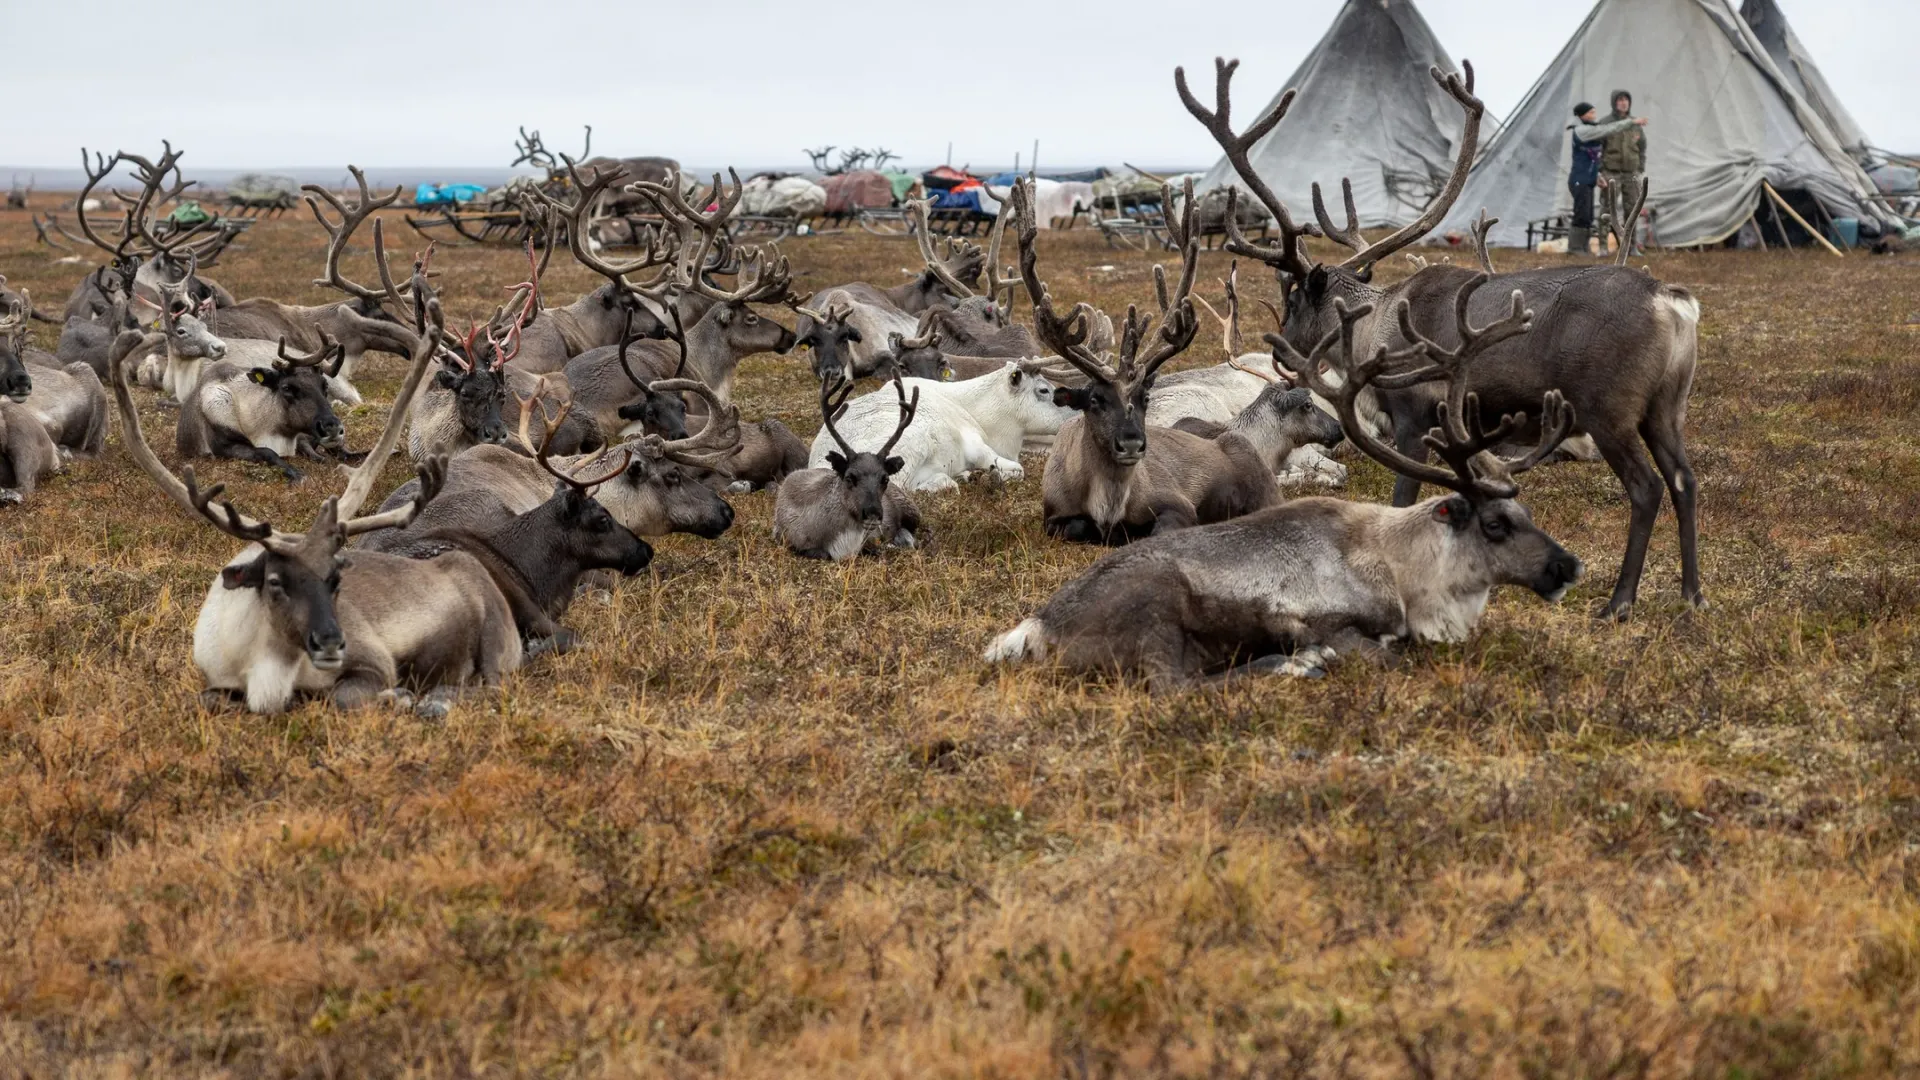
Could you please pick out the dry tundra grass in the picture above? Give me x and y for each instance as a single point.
(776, 818)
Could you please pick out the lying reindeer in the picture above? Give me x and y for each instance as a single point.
(27, 454)
(1111, 477)
(831, 513)
(1287, 589)
(67, 400)
(659, 490)
(537, 556)
(265, 414)
(289, 615)
(972, 426)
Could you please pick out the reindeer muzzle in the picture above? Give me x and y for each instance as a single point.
(637, 559)
(1563, 569)
(327, 651)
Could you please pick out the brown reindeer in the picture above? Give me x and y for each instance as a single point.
(1619, 345)
(1110, 476)
(1286, 590)
(292, 615)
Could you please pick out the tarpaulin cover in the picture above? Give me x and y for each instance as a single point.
(1367, 110)
(1723, 118)
(264, 188)
(788, 196)
(1784, 48)
(902, 183)
(862, 190)
(446, 194)
(944, 178)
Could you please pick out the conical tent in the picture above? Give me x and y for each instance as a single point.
(1722, 119)
(1784, 48)
(1368, 111)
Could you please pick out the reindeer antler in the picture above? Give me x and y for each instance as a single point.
(712, 444)
(907, 411)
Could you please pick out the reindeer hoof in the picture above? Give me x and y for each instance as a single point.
(10, 497)
(433, 708)
(740, 487)
(397, 699)
(1615, 612)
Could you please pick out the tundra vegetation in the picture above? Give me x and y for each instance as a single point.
(774, 817)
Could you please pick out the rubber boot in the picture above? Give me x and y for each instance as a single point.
(1577, 241)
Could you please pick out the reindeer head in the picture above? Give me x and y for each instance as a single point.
(916, 357)
(863, 475)
(660, 412)
(1114, 401)
(588, 531)
(299, 387)
(15, 382)
(830, 338)
(1483, 530)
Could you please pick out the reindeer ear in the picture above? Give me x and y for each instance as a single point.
(247, 575)
(894, 465)
(1317, 283)
(445, 379)
(834, 459)
(1456, 512)
(263, 376)
(853, 333)
(1069, 397)
(1018, 377)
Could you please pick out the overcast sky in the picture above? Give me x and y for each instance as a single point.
(238, 83)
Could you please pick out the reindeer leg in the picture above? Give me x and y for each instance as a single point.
(1409, 438)
(1670, 454)
(241, 450)
(1644, 490)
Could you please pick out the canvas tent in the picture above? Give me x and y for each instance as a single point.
(1784, 48)
(1723, 118)
(1367, 111)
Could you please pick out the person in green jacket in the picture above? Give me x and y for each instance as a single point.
(1623, 165)
(1589, 146)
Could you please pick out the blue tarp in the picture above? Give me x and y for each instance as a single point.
(446, 194)
(958, 200)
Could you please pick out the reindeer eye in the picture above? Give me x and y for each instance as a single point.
(1497, 529)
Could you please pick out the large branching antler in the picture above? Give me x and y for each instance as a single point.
(765, 277)
(1462, 441)
(428, 326)
(578, 215)
(351, 218)
(1288, 255)
(222, 514)
(961, 265)
(711, 446)
(1366, 254)
(1068, 335)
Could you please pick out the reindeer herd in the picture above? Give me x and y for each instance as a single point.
(550, 441)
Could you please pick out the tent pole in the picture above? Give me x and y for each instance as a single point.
(1795, 214)
(1754, 220)
(1780, 227)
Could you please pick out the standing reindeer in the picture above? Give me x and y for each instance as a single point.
(1287, 589)
(1619, 345)
(831, 513)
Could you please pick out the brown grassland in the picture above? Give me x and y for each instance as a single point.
(776, 818)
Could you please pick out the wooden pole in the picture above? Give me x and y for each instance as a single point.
(1795, 215)
(1780, 227)
(1757, 230)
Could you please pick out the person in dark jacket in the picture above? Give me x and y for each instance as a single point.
(1589, 145)
(1623, 163)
